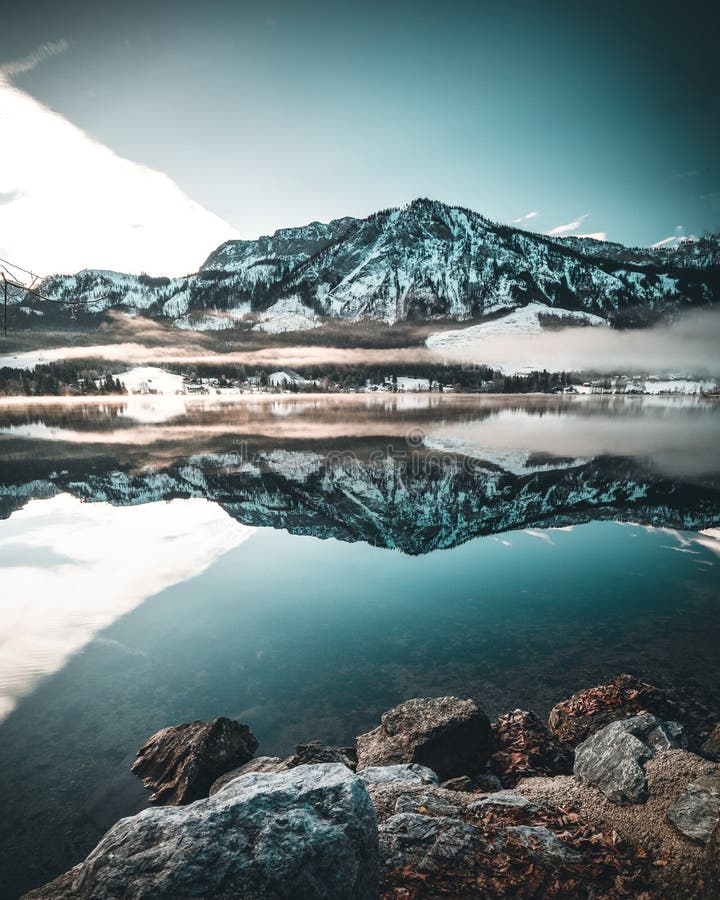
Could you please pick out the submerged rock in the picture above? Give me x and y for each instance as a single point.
(448, 735)
(525, 748)
(697, 813)
(180, 763)
(306, 834)
(574, 720)
(612, 758)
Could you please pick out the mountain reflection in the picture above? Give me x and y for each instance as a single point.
(415, 472)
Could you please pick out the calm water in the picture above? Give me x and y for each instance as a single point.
(304, 564)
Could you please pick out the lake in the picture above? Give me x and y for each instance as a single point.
(304, 563)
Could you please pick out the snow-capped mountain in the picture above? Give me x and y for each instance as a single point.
(423, 261)
(417, 508)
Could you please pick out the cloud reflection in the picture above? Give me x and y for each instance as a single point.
(85, 565)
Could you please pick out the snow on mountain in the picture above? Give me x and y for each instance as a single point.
(423, 261)
(288, 314)
(526, 320)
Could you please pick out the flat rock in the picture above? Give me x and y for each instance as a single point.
(586, 712)
(697, 813)
(524, 748)
(427, 805)
(503, 802)
(406, 773)
(258, 764)
(612, 758)
(542, 844)
(314, 753)
(306, 834)
(448, 735)
(180, 763)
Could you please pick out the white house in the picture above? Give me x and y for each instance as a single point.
(285, 377)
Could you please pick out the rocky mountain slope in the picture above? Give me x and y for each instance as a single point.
(423, 261)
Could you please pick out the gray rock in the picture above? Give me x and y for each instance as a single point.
(316, 752)
(612, 758)
(503, 801)
(450, 736)
(306, 834)
(428, 844)
(180, 763)
(697, 813)
(259, 764)
(484, 781)
(426, 804)
(406, 773)
(543, 846)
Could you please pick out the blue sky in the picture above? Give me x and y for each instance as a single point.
(597, 117)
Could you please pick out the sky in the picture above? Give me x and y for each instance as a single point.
(140, 136)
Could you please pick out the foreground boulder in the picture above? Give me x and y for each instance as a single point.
(697, 813)
(448, 735)
(612, 758)
(306, 834)
(179, 764)
(574, 720)
(525, 748)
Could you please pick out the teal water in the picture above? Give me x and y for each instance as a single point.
(163, 563)
(304, 638)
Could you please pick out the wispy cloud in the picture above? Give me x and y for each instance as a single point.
(691, 173)
(526, 218)
(29, 62)
(570, 226)
(595, 235)
(677, 238)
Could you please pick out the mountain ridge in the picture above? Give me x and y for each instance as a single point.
(421, 262)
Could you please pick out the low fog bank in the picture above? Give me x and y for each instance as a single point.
(688, 347)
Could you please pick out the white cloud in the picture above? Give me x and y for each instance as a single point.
(595, 235)
(527, 216)
(66, 575)
(69, 202)
(29, 62)
(570, 227)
